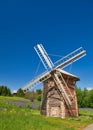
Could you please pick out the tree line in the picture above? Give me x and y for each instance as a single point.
(31, 95)
(5, 91)
(84, 97)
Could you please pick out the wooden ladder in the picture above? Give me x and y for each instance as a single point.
(67, 97)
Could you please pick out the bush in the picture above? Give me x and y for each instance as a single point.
(39, 97)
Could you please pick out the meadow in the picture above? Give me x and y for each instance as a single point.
(14, 117)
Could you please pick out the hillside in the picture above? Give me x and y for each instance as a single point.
(21, 117)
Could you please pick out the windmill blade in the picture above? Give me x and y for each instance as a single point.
(45, 59)
(70, 58)
(37, 80)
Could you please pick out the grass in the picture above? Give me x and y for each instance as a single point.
(17, 118)
(13, 98)
(86, 112)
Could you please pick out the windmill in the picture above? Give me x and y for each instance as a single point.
(59, 96)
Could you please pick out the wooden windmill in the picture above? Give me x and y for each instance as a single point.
(59, 96)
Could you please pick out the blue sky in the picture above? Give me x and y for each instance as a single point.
(61, 26)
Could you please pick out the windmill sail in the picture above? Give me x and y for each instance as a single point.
(48, 64)
(36, 80)
(44, 56)
(70, 58)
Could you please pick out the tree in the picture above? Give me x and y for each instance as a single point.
(39, 94)
(91, 98)
(84, 97)
(38, 91)
(8, 92)
(79, 96)
(34, 95)
(5, 91)
(20, 93)
(31, 95)
(85, 101)
(39, 97)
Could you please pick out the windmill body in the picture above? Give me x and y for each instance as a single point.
(59, 96)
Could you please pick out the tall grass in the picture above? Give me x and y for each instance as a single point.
(24, 119)
(17, 118)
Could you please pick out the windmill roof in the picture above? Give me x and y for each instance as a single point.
(61, 71)
(67, 73)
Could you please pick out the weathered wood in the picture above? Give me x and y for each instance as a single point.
(53, 103)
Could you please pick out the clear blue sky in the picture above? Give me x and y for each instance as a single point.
(61, 26)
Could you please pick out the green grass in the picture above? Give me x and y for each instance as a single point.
(16, 118)
(13, 98)
(86, 112)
